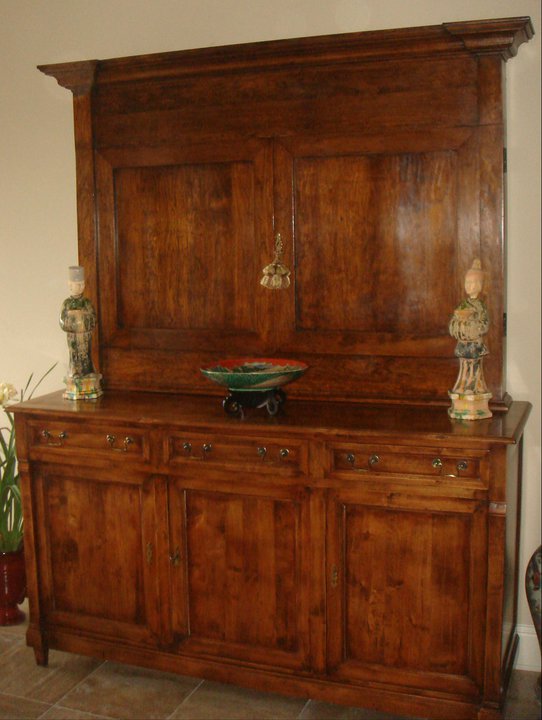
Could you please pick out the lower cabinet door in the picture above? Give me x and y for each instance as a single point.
(96, 552)
(406, 590)
(239, 571)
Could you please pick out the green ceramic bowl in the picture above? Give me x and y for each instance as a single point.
(254, 373)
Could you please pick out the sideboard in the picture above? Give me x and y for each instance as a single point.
(346, 552)
(359, 546)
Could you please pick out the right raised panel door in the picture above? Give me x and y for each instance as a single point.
(380, 230)
(406, 589)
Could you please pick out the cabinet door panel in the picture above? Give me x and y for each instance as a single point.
(406, 590)
(373, 288)
(184, 235)
(97, 552)
(242, 574)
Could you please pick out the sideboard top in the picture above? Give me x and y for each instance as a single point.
(501, 36)
(407, 424)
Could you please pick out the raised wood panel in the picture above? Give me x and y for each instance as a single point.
(241, 573)
(377, 219)
(175, 227)
(356, 217)
(409, 596)
(96, 530)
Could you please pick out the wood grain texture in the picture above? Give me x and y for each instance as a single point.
(405, 585)
(359, 546)
(382, 582)
(377, 156)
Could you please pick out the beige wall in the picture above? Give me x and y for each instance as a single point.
(37, 181)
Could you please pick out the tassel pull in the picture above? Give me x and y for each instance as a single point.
(276, 276)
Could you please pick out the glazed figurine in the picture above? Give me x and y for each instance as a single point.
(468, 325)
(78, 320)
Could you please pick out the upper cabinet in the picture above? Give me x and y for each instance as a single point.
(377, 156)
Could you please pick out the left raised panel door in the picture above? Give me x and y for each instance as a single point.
(184, 236)
(97, 554)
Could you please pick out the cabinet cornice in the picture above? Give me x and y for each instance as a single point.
(496, 36)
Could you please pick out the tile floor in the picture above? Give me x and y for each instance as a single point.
(79, 688)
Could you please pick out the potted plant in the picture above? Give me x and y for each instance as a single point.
(12, 571)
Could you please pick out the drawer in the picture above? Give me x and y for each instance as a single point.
(257, 454)
(379, 459)
(110, 440)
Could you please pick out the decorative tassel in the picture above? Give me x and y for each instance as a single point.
(276, 276)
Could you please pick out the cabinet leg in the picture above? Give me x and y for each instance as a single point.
(41, 653)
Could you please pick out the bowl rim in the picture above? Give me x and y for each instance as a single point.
(295, 366)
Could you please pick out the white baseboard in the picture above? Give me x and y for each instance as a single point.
(528, 656)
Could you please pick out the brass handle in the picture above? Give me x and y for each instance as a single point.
(47, 436)
(175, 557)
(334, 576)
(284, 452)
(187, 447)
(262, 452)
(149, 553)
(461, 466)
(207, 447)
(437, 463)
(371, 462)
(112, 439)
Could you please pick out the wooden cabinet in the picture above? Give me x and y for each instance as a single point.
(316, 552)
(359, 546)
(377, 156)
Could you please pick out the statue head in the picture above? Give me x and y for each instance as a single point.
(76, 280)
(474, 279)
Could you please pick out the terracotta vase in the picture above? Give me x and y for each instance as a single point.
(12, 587)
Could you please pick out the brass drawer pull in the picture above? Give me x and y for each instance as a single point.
(48, 436)
(461, 466)
(206, 448)
(372, 461)
(284, 452)
(262, 452)
(112, 439)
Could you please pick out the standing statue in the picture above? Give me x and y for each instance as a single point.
(78, 320)
(468, 325)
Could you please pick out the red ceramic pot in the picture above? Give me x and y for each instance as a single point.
(12, 587)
